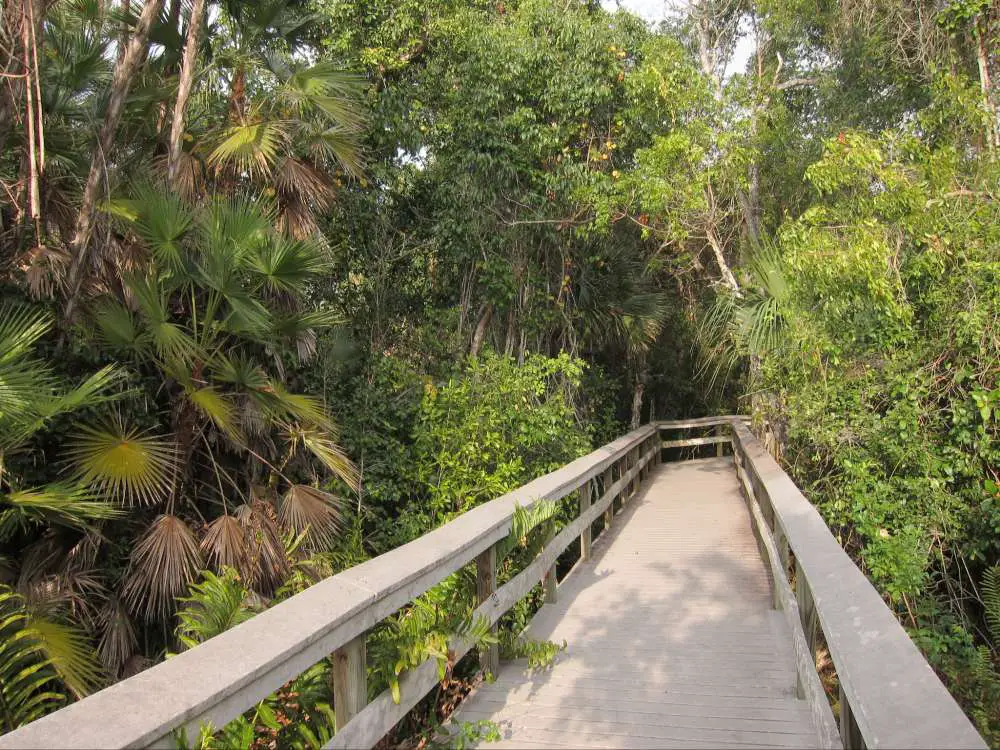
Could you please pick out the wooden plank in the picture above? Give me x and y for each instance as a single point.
(350, 680)
(895, 697)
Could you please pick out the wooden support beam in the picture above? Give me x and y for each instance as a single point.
(690, 442)
(350, 680)
(486, 585)
(586, 493)
(720, 431)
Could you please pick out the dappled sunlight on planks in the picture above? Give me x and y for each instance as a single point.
(671, 639)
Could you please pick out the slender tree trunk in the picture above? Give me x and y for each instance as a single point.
(986, 85)
(121, 82)
(727, 275)
(638, 390)
(184, 89)
(485, 315)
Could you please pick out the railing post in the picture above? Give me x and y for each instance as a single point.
(719, 432)
(606, 482)
(486, 584)
(850, 734)
(809, 617)
(586, 498)
(350, 680)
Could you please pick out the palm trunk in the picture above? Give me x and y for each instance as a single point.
(986, 87)
(125, 71)
(184, 89)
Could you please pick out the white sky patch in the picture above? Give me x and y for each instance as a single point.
(654, 11)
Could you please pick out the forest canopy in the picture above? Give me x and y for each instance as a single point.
(286, 284)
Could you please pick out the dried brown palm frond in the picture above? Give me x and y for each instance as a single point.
(44, 270)
(118, 641)
(164, 562)
(303, 192)
(268, 562)
(305, 509)
(225, 545)
(189, 182)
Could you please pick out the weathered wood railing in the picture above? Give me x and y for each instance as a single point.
(220, 679)
(889, 695)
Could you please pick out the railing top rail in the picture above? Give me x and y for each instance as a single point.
(895, 697)
(679, 424)
(221, 678)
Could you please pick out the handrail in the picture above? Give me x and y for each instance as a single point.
(223, 677)
(889, 695)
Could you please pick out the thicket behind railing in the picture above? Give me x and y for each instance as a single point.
(889, 695)
(218, 680)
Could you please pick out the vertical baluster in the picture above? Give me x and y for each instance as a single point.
(720, 431)
(586, 495)
(350, 680)
(808, 615)
(486, 584)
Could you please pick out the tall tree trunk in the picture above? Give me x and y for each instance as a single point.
(639, 389)
(985, 84)
(184, 89)
(125, 71)
(485, 314)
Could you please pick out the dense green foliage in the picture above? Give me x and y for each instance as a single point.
(286, 284)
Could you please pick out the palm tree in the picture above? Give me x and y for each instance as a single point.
(51, 582)
(220, 300)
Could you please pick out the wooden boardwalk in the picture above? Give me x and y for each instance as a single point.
(671, 639)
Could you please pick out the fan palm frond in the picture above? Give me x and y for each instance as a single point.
(324, 447)
(338, 145)
(312, 512)
(61, 504)
(118, 640)
(70, 653)
(225, 545)
(29, 686)
(161, 219)
(171, 341)
(164, 562)
(285, 265)
(267, 551)
(219, 408)
(324, 87)
(20, 329)
(124, 463)
(251, 148)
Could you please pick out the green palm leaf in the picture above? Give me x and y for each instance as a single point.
(286, 265)
(60, 504)
(28, 682)
(219, 408)
(124, 463)
(70, 653)
(251, 148)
